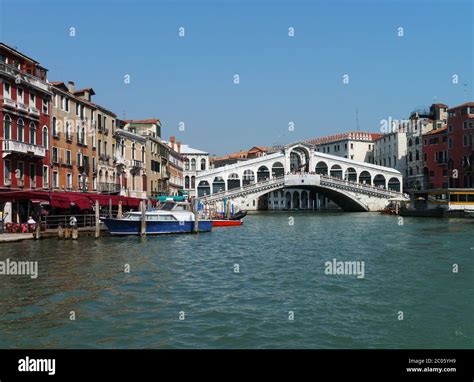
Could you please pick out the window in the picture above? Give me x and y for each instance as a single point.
(68, 157)
(78, 107)
(55, 179)
(55, 158)
(21, 170)
(32, 175)
(32, 99)
(7, 91)
(79, 159)
(465, 140)
(45, 106)
(450, 128)
(143, 154)
(20, 95)
(7, 124)
(94, 183)
(450, 143)
(186, 164)
(21, 130)
(352, 145)
(69, 181)
(45, 176)
(32, 133)
(203, 164)
(7, 172)
(45, 137)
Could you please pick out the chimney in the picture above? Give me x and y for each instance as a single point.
(179, 147)
(70, 86)
(172, 142)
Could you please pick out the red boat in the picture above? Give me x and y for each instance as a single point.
(226, 223)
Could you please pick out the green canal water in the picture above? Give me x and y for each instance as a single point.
(408, 268)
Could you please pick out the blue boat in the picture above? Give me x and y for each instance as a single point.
(168, 217)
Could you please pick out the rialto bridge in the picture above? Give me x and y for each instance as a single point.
(353, 185)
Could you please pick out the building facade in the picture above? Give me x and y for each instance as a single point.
(421, 122)
(435, 158)
(390, 150)
(194, 161)
(157, 153)
(175, 168)
(130, 158)
(354, 145)
(461, 145)
(73, 143)
(25, 115)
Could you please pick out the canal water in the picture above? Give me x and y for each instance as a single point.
(183, 291)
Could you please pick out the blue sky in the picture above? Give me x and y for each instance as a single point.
(282, 79)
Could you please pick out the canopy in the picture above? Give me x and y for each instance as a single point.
(175, 198)
(65, 200)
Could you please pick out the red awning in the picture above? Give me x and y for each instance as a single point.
(83, 201)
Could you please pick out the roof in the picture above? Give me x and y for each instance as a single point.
(258, 148)
(81, 91)
(186, 149)
(470, 104)
(437, 131)
(351, 135)
(143, 121)
(8, 47)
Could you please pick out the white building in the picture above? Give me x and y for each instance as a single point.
(195, 161)
(355, 145)
(391, 150)
(421, 122)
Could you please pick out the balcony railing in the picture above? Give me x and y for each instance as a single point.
(9, 102)
(34, 111)
(22, 107)
(108, 187)
(26, 77)
(10, 146)
(137, 163)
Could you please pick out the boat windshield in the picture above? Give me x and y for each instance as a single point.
(166, 206)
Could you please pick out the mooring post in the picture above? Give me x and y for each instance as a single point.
(196, 215)
(60, 232)
(38, 230)
(67, 233)
(110, 208)
(75, 232)
(143, 219)
(97, 219)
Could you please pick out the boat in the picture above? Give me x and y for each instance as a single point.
(239, 215)
(226, 222)
(442, 202)
(167, 217)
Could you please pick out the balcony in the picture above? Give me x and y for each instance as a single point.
(68, 136)
(56, 134)
(104, 158)
(34, 111)
(27, 78)
(22, 107)
(14, 147)
(108, 187)
(137, 163)
(9, 102)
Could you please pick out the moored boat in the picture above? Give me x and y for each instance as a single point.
(226, 222)
(168, 217)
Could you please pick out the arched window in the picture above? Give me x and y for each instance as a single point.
(193, 182)
(410, 142)
(203, 164)
(186, 164)
(122, 147)
(417, 155)
(417, 141)
(32, 133)
(21, 130)
(410, 156)
(133, 151)
(7, 127)
(45, 137)
(186, 182)
(83, 136)
(193, 164)
(143, 154)
(55, 132)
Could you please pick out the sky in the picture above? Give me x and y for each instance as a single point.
(283, 80)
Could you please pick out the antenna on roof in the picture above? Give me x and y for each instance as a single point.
(123, 113)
